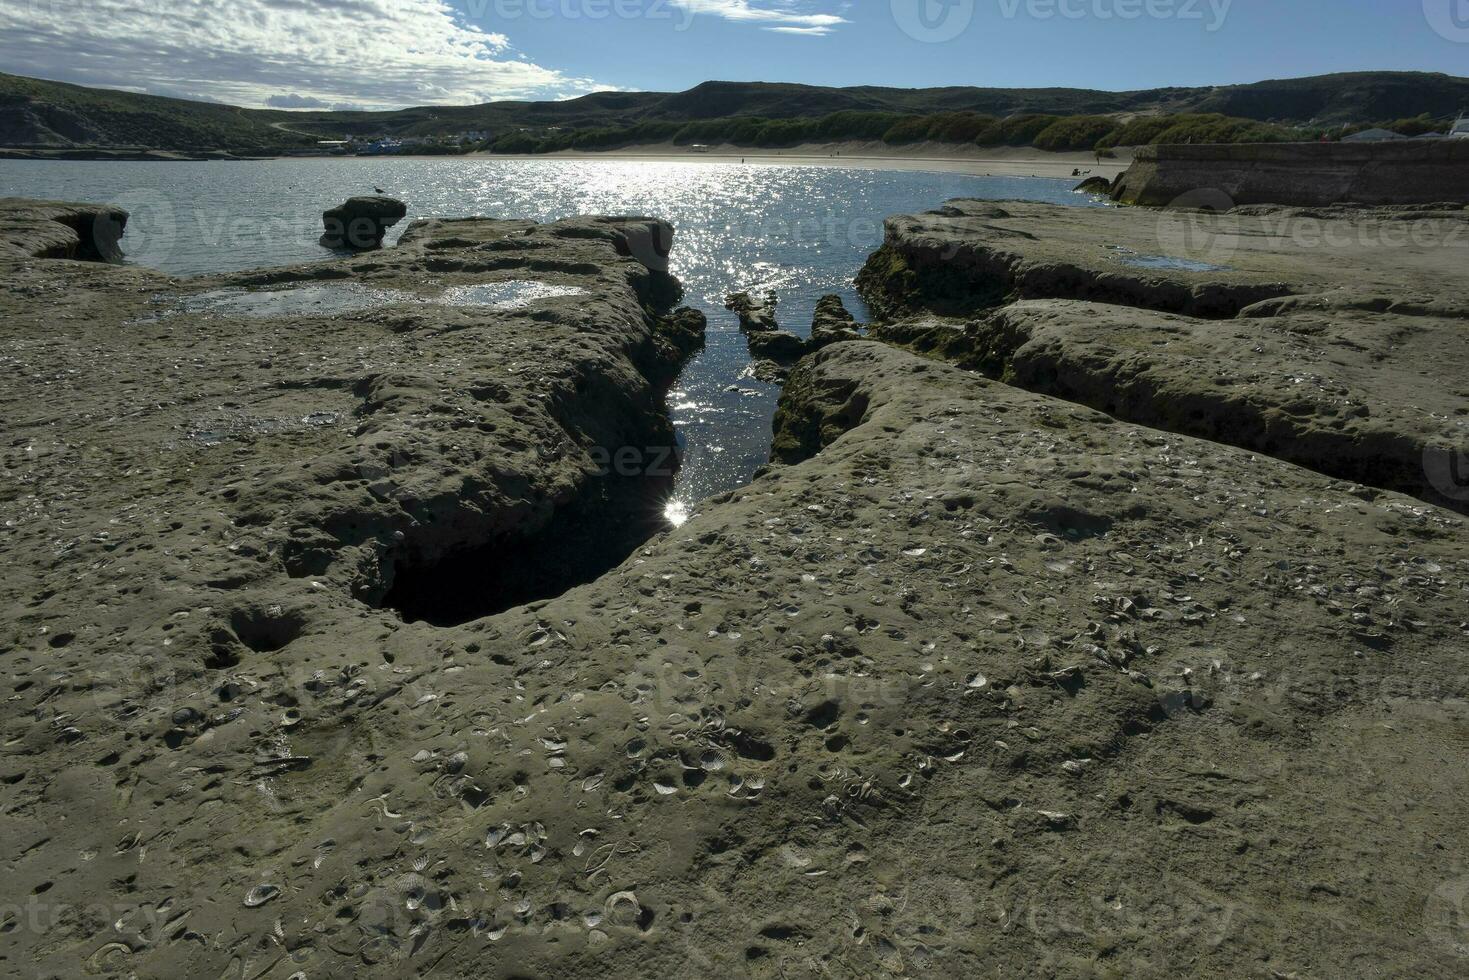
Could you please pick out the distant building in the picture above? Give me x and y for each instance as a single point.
(1373, 136)
(1460, 131)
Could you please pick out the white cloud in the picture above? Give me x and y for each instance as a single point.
(806, 31)
(294, 100)
(779, 16)
(371, 53)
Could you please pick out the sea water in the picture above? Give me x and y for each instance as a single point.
(799, 230)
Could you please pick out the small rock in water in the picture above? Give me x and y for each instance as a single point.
(360, 223)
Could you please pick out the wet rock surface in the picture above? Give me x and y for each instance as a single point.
(1356, 369)
(971, 680)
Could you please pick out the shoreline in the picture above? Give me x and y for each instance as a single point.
(921, 157)
(930, 157)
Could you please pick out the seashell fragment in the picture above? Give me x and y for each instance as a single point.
(99, 959)
(622, 909)
(260, 894)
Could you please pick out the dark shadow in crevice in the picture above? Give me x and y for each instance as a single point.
(582, 542)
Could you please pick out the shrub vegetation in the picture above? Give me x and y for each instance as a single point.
(1045, 132)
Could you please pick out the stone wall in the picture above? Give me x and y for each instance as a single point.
(1300, 174)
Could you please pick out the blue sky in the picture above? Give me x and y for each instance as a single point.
(1198, 44)
(391, 53)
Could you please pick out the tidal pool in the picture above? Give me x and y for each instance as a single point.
(331, 298)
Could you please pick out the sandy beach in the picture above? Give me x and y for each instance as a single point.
(979, 161)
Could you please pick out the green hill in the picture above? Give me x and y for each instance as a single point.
(36, 113)
(43, 114)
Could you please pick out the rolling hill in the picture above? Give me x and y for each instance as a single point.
(43, 114)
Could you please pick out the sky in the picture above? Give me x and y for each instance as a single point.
(393, 53)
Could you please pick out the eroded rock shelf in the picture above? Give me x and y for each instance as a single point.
(1334, 339)
(973, 679)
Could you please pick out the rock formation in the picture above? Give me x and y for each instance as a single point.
(756, 314)
(57, 230)
(776, 345)
(359, 223)
(775, 350)
(649, 240)
(1095, 185)
(832, 323)
(972, 255)
(250, 500)
(1299, 174)
(973, 680)
(1316, 343)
